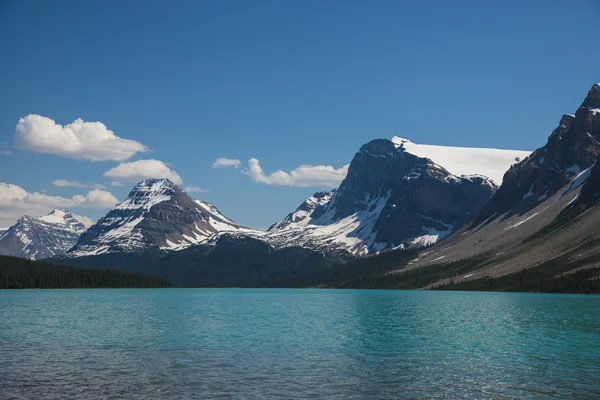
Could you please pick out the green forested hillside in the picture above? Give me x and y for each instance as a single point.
(18, 273)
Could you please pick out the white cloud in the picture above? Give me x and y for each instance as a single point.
(226, 162)
(66, 183)
(5, 153)
(303, 176)
(143, 169)
(79, 140)
(10, 193)
(117, 183)
(87, 222)
(16, 202)
(95, 199)
(194, 189)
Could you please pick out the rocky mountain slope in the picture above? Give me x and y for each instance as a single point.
(43, 237)
(395, 196)
(391, 198)
(546, 208)
(157, 214)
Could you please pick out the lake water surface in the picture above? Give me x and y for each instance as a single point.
(267, 344)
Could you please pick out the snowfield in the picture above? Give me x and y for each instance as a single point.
(492, 163)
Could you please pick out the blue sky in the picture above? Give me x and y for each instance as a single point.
(287, 83)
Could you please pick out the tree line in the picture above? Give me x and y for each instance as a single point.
(18, 273)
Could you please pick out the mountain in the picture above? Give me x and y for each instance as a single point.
(397, 194)
(391, 198)
(571, 149)
(156, 214)
(545, 211)
(43, 237)
(159, 230)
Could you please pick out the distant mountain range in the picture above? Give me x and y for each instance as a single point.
(390, 199)
(501, 204)
(43, 237)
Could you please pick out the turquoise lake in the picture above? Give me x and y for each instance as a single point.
(288, 344)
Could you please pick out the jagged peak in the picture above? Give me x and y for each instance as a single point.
(148, 193)
(592, 100)
(566, 119)
(378, 147)
(155, 183)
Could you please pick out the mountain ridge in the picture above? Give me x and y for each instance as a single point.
(156, 213)
(46, 236)
(545, 208)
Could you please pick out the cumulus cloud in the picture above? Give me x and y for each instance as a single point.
(303, 176)
(194, 189)
(143, 169)
(16, 201)
(96, 199)
(15, 196)
(226, 162)
(5, 153)
(117, 183)
(79, 140)
(87, 222)
(66, 183)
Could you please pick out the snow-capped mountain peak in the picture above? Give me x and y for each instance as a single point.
(391, 197)
(157, 214)
(148, 193)
(64, 217)
(492, 163)
(43, 237)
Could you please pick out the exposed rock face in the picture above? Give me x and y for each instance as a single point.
(156, 214)
(545, 211)
(572, 148)
(390, 198)
(43, 237)
(590, 116)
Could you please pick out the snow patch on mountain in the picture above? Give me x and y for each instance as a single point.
(147, 194)
(580, 179)
(492, 163)
(431, 237)
(354, 232)
(301, 216)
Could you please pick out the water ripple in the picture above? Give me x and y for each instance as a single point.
(297, 344)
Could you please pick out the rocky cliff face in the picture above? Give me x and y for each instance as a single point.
(390, 198)
(572, 148)
(43, 237)
(156, 214)
(545, 211)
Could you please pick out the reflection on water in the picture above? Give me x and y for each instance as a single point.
(354, 344)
